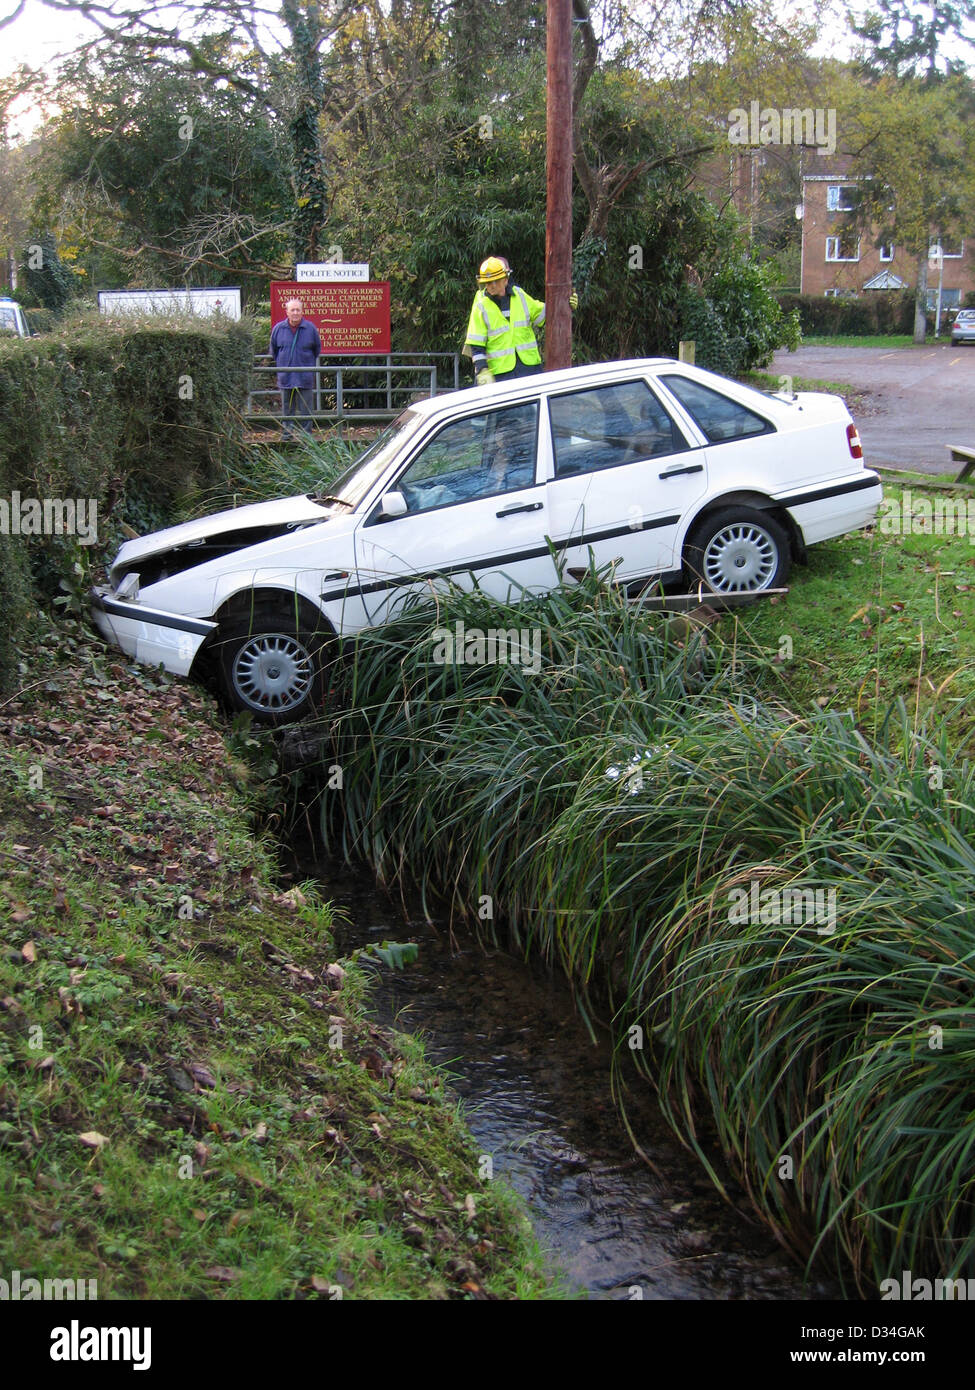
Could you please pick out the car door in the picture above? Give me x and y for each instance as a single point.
(624, 472)
(475, 514)
(744, 449)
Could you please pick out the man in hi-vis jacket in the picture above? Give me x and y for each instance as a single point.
(501, 333)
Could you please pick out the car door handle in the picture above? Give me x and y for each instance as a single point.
(675, 472)
(525, 507)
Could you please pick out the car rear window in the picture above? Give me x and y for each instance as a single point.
(718, 416)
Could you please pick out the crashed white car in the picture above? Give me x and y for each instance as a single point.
(660, 469)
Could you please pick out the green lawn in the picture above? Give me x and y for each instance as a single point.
(876, 616)
(875, 340)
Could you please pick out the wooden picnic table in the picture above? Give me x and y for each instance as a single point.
(960, 453)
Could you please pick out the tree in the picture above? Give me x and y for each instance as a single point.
(270, 57)
(156, 177)
(904, 38)
(917, 166)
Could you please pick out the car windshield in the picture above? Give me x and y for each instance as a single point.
(8, 318)
(358, 480)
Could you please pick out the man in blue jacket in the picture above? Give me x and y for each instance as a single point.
(295, 344)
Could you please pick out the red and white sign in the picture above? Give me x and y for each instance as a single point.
(352, 319)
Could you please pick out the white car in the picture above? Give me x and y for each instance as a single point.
(661, 469)
(12, 319)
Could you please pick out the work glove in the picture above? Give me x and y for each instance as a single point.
(484, 377)
(573, 300)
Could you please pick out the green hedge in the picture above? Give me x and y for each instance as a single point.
(41, 320)
(129, 416)
(877, 311)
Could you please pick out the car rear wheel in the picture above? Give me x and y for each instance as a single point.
(272, 667)
(738, 551)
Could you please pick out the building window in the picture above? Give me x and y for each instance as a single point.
(842, 248)
(840, 294)
(887, 251)
(950, 249)
(840, 197)
(949, 299)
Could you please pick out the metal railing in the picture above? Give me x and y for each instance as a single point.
(351, 388)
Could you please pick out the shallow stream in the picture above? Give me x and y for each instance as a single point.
(537, 1096)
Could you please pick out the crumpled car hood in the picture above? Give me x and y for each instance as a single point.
(260, 519)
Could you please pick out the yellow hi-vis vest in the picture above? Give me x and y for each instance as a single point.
(499, 337)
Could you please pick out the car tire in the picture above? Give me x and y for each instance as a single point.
(272, 667)
(736, 551)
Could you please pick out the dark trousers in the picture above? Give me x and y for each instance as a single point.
(519, 369)
(296, 401)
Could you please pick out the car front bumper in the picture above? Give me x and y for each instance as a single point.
(149, 635)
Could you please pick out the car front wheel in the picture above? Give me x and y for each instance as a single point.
(738, 551)
(272, 668)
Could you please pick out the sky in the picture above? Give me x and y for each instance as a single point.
(36, 38)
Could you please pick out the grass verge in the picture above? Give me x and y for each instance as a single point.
(193, 1101)
(877, 616)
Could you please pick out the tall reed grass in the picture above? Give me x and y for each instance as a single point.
(623, 810)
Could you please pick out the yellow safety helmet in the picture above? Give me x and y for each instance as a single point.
(494, 268)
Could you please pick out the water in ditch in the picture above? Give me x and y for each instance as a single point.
(537, 1097)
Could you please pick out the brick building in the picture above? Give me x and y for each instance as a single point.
(837, 259)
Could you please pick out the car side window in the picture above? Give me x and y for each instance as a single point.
(479, 456)
(608, 426)
(719, 416)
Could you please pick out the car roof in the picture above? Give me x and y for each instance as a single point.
(567, 376)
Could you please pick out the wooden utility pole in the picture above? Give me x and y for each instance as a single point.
(558, 212)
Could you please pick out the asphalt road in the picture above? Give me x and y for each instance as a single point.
(919, 399)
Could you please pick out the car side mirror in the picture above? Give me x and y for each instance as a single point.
(393, 504)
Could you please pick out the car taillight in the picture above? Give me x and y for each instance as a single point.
(853, 439)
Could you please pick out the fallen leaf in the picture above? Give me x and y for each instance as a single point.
(222, 1273)
(29, 951)
(92, 1139)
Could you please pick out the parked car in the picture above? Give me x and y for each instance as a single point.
(661, 469)
(12, 319)
(963, 328)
